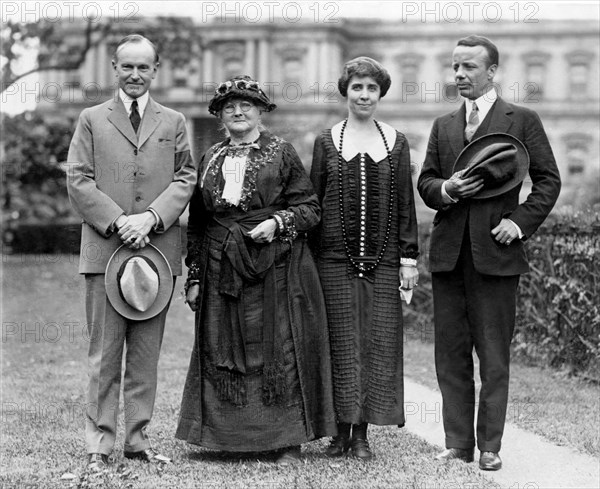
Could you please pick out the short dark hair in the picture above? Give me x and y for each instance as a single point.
(364, 66)
(490, 47)
(136, 39)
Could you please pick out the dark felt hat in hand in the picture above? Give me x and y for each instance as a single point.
(139, 283)
(500, 160)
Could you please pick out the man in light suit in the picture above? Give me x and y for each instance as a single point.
(476, 252)
(131, 176)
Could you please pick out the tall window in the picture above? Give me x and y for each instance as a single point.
(579, 73)
(410, 65)
(232, 54)
(535, 75)
(449, 90)
(577, 151)
(293, 61)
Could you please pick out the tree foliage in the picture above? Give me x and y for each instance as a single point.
(176, 38)
(33, 182)
(53, 53)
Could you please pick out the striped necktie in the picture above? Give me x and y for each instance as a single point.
(134, 116)
(473, 123)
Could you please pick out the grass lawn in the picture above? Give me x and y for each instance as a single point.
(44, 376)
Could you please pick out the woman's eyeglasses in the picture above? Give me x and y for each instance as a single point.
(244, 107)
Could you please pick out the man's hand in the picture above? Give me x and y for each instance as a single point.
(463, 188)
(264, 232)
(505, 232)
(135, 229)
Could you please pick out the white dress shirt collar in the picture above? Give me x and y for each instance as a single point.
(484, 104)
(127, 101)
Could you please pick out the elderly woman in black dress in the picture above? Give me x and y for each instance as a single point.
(367, 248)
(260, 373)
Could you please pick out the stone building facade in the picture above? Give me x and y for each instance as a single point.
(550, 66)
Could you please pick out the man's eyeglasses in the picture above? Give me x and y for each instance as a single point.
(244, 107)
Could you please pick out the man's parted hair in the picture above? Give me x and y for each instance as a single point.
(490, 47)
(136, 39)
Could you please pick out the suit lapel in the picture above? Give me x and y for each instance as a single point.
(118, 118)
(150, 121)
(454, 130)
(501, 120)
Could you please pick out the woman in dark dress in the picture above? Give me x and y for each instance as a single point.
(260, 373)
(366, 247)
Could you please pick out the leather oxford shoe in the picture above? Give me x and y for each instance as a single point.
(490, 461)
(456, 454)
(97, 462)
(148, 455)
(338, 446)
(360, 448)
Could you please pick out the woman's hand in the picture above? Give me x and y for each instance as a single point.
(264, 232)
(192, 296)
(409, 277)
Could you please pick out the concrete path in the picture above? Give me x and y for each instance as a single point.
(529, 462)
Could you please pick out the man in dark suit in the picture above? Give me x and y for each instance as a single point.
(131, 177)
(476, 252)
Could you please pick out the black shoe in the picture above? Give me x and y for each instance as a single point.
(490, 461)
(338, 446)
(463, 454)
(289, 456)
(97, 462)
(148, 455)
(360, 449)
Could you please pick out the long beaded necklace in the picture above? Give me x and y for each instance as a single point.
(361, 268)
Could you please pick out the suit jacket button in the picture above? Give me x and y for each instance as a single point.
(135, 152)
(138, 198)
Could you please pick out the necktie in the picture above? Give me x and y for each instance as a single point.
(473, 123)
(134, 116)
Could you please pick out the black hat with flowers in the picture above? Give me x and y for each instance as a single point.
(241, 86)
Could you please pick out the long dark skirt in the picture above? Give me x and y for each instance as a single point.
(365, 325)
(307, 412)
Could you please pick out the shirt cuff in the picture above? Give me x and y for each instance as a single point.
(446, 199)
(279, 221)
(408, 262)
(519, 232)
(113, 225)
(158, 224)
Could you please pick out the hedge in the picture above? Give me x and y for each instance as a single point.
(558, 308)
(558, 302)
(54, 237)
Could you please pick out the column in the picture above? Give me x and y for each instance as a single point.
(263, 61)
(103, 66)
(323, 61)
(207, 71)
(250, 58)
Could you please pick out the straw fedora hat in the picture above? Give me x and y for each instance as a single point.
(139, 283)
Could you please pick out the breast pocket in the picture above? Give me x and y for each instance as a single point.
(165, 143)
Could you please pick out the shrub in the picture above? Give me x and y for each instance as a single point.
(33, 181)
(558, 302)
(47, 238)
(558, 311)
